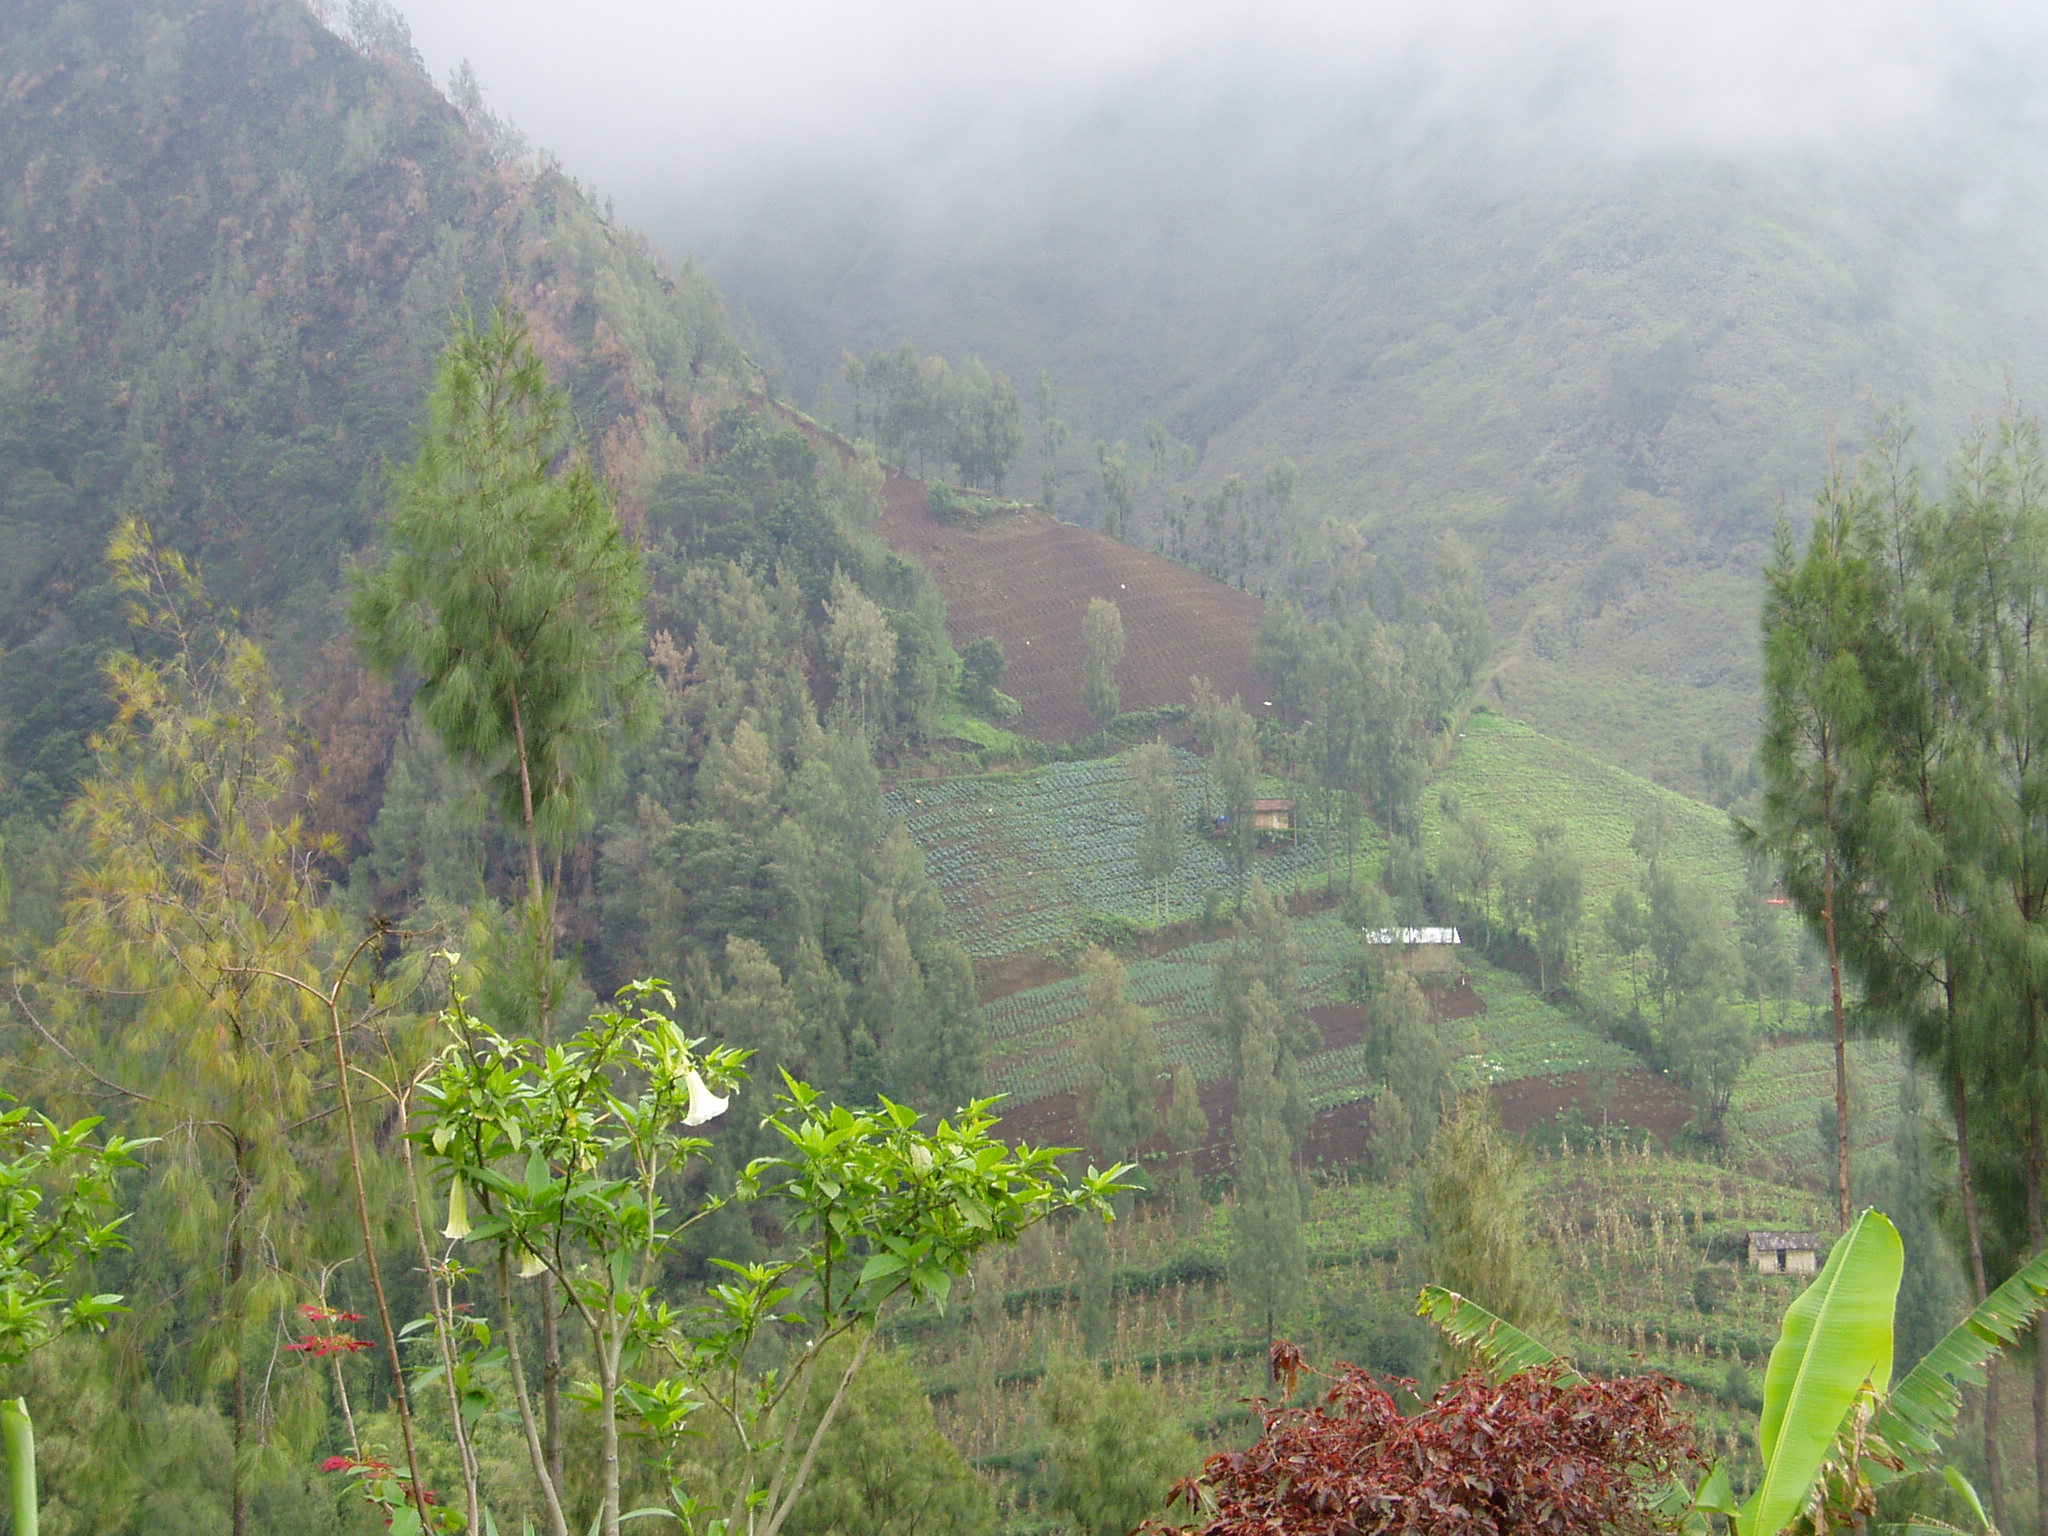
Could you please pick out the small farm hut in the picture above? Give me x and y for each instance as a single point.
(1424, 950)
(1786, 1253)
(1272, 816)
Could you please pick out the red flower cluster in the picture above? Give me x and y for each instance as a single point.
(320, 1345)
(317, 1313)
(1529, 1454)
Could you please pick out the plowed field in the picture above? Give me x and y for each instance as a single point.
(1026, 578)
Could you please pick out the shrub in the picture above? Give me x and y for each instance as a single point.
(1480, 1459)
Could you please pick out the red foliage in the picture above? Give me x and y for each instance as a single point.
(321, 1345)
(1480, 1459)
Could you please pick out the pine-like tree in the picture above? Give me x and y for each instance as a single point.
(1119, 1063)
(1477, 1219)
(1268, 1254)
(513, 595)
(1159, 823)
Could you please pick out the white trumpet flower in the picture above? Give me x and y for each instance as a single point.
(458, 1212)
(530, 1264)
(704, 1104)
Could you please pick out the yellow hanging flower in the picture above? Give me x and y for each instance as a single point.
(458, 1212)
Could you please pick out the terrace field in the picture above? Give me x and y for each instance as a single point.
(1037, 861)
(1645, 1246)
(1513, 1034)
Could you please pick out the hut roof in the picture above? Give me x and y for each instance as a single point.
(1412, 936)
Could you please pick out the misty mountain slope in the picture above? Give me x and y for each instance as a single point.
(231, 246)
(1607, 369)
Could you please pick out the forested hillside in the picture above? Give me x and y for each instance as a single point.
(230, 249)
(1607, 365)
(585, 946)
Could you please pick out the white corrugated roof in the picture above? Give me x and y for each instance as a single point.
(1412, 936)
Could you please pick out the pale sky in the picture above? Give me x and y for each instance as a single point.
(639, 96)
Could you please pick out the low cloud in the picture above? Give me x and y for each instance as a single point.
(645, 97)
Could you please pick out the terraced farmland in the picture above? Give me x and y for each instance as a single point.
(1031, 1046)
(1022, 859)
(1782, 1096)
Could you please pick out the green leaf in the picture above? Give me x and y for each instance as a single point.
(880, 1265)
(1920, 1414)
(1715, 1496)
(1836, 1337)
(1502, 1348)
(1967, 1492)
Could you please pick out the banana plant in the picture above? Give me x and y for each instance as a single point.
(1833, 1428)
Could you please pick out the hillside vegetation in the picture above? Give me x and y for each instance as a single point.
(1608, 369)
(231, 248)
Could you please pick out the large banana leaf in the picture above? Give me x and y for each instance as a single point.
(1836, 1338)
(1920, 1414)
(1501, 1347)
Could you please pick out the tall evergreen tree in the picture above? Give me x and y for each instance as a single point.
(1816, 709)
(512, 594)
(1159, 823)
(198, 908)
(1476, 1215)
(514, 597)
(1120, 1064)
(1268, 1254)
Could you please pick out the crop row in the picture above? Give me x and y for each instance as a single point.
(1019, 858)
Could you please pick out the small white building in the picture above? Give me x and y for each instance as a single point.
(1423, 949)
(1786, 1253)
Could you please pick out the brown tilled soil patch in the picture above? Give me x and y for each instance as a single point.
(1346, 1023)
(1026, 578)
(1457, 1001)
(1639, 1099)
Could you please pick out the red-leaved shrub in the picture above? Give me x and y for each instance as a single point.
(1480, 1459)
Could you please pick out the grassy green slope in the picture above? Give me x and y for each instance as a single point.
(1519, 779)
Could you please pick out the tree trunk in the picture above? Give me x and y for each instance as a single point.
(558, 1524)
(238, 1480)
(1994, 1460)
(1827, 909)
(2037, 1156)
(551, 1380)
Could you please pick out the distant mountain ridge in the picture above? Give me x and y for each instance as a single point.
(1607, 368)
